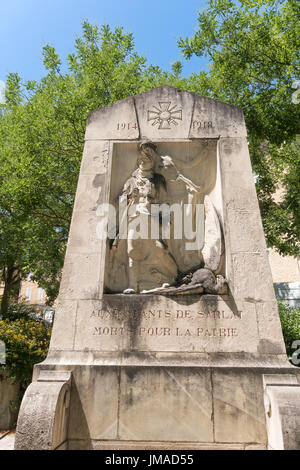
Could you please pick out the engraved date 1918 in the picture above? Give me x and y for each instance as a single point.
(197, 125)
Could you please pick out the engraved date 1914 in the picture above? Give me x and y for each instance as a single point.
(121, 126)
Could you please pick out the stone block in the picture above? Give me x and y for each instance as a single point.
(81, 276)
(113, 122)
(213, 119)
(64, 326)
(157, 323)
(165, 404)
(269, 328)
(95, 396)
(245, 232)
(238, 407)
(95, 158)
(250, 287)
(86, 235)
(164, 113)
(238, 186)
(282, 397)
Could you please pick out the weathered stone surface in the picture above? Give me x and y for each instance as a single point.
(7, 442)
(255, 447)
(84, 237)
(212, 249)
(81, 277)
(244, 235)
(176, 405)
(164, 113)
(95, 396)
(95, 158)
(238, 407)
(116, 122)
(269, 328)
(157, 323)
(63, 334)
(257, 286)
(158, 445)
(282, 396)
(85, 231)
(43, 417)
(90, 192)
(238, 186)
(214, 119)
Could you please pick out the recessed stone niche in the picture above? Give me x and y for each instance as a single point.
(197, 165)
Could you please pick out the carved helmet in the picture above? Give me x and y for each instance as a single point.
(149, 148)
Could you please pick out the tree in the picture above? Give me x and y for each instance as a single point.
(11, 255)
(42, 127)
(290, 322)
(253, 48)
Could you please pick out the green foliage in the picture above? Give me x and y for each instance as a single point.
(42, 127)
(18, 311)
(27, 343)
(290, 322)
(253, 47)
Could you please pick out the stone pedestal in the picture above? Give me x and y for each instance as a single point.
(173, 371)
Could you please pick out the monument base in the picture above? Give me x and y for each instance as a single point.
(101, 405)
(159, 445)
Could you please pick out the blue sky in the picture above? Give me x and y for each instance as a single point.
(27, 25)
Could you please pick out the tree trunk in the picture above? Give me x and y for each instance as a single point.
(10, 277)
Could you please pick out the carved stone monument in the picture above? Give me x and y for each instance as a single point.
(167, 334)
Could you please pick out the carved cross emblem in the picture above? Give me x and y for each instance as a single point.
(164, 115)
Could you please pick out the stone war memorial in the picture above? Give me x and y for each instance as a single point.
(167, 334)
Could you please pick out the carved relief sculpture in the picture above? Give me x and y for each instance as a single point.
(155, 263)
(150, 263)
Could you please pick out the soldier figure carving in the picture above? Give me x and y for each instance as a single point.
(156, 263)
